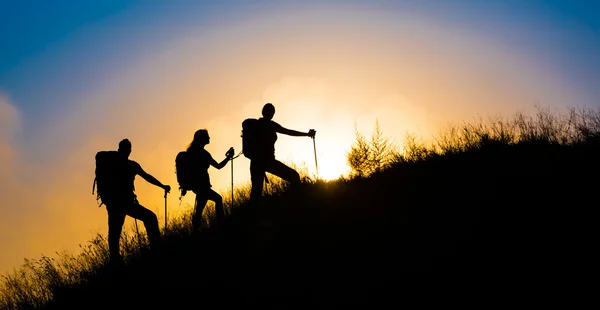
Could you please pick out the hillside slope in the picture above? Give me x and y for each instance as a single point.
(517, 209)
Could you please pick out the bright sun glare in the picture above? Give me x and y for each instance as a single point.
(331, 157)
(333, 139)
(331, 168)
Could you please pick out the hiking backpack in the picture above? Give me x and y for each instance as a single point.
(184, 170)
(251, 135)
(111, 174)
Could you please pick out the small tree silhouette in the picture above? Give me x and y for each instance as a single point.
(369, 156)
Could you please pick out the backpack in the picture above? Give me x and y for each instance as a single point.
(184, 170)
(111, 175)
(251, 137)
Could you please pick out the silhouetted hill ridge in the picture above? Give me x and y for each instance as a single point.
(512, 209)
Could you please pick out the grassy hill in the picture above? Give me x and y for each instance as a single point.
(503, 197)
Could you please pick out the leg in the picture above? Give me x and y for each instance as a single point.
(214, 196)
(281, 170)
(116, 219)
(201, 201)
(257, 176)
(149, 219)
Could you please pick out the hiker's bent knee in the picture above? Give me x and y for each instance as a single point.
(294, 177)
(257, 180)
(151, 218)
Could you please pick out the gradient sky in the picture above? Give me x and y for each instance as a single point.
(76, 77)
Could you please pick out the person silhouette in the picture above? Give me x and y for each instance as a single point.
(263, 159)
(202, 160)
(115, 176)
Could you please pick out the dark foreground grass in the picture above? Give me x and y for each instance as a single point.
(480, 203)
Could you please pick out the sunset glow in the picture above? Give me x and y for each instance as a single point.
(80, 80)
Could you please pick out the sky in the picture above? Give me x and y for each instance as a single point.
(76, 77)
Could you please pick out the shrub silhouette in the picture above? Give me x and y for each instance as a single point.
(370, 156)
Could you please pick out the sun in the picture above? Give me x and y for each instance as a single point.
(324, 160)
(331, 167)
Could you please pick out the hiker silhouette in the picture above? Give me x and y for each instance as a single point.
(192, 175)
(115, 176)
(259, 137)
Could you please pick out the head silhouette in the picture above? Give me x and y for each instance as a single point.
(125, 147)
(268, 111)
(201, 138)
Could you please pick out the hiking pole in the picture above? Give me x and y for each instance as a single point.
(315, 148)
(232, 158)
(231, 205)
(166, 211)
(137, 232)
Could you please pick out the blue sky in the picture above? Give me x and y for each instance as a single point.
(77, 76)
(53, 51)
(59, 49)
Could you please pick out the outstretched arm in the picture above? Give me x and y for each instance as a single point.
(295, 133)
(222, 164)
(152, 180)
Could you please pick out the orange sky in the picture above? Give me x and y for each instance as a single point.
(413, 74)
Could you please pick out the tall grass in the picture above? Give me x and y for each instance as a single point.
(39, 282)
(573, 127)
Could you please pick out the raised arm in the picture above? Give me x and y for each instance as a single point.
(150, 179)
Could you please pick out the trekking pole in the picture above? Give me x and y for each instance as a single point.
(231, 205)
(232, 158)
(165, 211)
(315, 148)
(137, 232)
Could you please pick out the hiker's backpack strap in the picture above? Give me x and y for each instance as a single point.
(97, 196)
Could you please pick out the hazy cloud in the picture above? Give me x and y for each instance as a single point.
(9, 125)
(12, 189)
